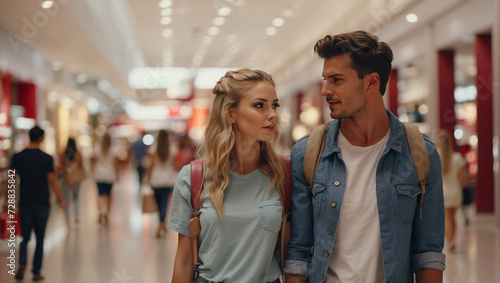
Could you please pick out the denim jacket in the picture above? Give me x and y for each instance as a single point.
(408, 243)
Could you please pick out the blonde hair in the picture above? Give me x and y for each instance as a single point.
(445, 148)
(220, 138)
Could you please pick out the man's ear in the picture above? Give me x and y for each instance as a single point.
(372, 82)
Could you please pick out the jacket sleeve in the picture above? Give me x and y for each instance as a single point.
(428, 232)
(299, 254)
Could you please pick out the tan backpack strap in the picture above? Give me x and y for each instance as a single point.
(314, 148)
(420, 157)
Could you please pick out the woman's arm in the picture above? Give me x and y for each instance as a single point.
(184, 262)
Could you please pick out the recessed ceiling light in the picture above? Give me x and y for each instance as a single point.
(166, 12)
(288, 13)
(278, 22)
(411, 18)
(167, 32)
(207, 39)
(166, 20)
(224, 11)
(165, 3)
(213, 30)
(47, 4)
(219, 21)
(271, 31)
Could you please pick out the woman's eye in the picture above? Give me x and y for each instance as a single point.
(276, 105)
(259, 105)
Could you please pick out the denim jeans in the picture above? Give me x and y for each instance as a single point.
(33, 218)
(70, 192)
(161, 197)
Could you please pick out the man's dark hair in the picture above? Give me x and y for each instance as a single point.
(35, 133)
(367, 53)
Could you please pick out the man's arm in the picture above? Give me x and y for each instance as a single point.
(297, 263)
(428, 232)
(56, 188)
(429, 275)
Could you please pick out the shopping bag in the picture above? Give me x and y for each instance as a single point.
(10, 225)
(148, 200)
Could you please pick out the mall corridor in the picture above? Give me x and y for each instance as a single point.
(127, 251)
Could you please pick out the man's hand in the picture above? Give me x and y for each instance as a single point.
(294, 278)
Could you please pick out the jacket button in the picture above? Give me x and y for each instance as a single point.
(325, 254)
(334, 204)
(330, 231)
(337, 183)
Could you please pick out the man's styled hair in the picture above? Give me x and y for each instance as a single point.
(35, 133)
(367, 53)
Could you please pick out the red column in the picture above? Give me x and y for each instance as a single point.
(446, 70)
(5, 99)
(484, 180)
(393, 92)
(26, 97)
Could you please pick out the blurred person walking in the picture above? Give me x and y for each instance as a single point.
(454, 180)
(139, 150)
(106, 168)
(240, 207)
(161, 175)
(36, 172)
(72, 165)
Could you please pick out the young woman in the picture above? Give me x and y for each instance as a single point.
(240, 211)
(454, 180)
(106, 170)
(70, 157)
(161, 176)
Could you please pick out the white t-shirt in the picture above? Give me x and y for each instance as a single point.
(104, 171)
(164, 173)
(357, 252)
(452, 189)
(241, 247)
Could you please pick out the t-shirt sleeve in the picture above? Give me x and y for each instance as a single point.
(181, 209)
(50, 164)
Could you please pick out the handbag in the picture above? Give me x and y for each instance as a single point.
(148, 200)
(74, 173)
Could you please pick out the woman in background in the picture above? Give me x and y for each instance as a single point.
(454, 180)
(105, 164)
(70, 157)
(161, 175)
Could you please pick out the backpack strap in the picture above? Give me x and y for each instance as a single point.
(285, 195)
(314, 148)
(420, 157)
(197, 183)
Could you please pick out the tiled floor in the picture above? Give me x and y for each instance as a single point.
(127, 251)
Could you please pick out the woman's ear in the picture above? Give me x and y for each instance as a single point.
(230, 115)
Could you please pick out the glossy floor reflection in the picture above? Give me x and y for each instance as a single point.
(126, 251)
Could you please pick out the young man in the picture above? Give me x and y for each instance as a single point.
(360, 221)
(36, 172)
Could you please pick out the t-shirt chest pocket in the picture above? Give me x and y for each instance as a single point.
(270, 215)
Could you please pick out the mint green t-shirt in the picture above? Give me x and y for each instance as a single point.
(241, 247)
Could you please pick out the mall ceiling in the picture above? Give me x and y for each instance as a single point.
(107, 39)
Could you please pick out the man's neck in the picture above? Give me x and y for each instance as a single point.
(34, 145)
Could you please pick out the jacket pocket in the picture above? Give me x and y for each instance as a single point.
(271, 215)
(406, 202)
(318, 199)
